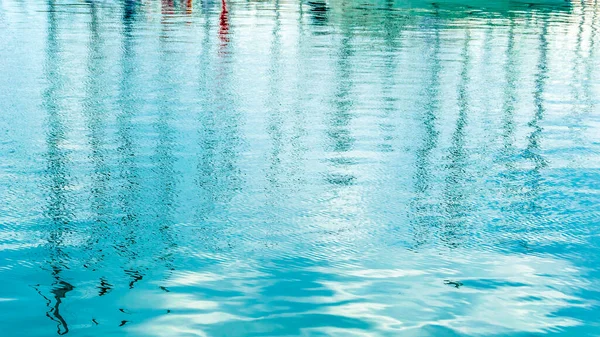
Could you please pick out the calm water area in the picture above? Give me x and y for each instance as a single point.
(299, 168)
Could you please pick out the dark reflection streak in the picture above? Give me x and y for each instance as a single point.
(219, 177)
(511, 186)
(225, 115)
(591, 56)
(206, 157)
(298, 147)
(301, 15)
(453, 232)
(275, 122)
(533, 179)
(487, 95)
(129, 176)
(392, 31)
(135, 276)
(164, 158)
(129, 13)
(528, 187)
(205, 7)
(339, 120)
(338, 132)
(576, 82)
(510, 97)
(94, 114)
(275, 191)
(589, 62)
(423, 223)
(319, 12)
(104, 287)
(579, 38)
(59, 292)
(57, 159)
(58, 207)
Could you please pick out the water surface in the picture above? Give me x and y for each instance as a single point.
(285, 168)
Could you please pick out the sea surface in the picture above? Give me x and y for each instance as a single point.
(299, 168)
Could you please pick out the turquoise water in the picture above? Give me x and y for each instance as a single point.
(287, 168)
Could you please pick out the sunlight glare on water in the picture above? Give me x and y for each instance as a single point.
(299, 167)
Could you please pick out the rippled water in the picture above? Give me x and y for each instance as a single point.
(285, 167)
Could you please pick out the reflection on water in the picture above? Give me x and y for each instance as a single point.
(224, 167)
(58, 206)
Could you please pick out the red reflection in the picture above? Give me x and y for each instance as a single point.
(167, 7)
(224, 25)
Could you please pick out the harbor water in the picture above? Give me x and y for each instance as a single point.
(299, 168)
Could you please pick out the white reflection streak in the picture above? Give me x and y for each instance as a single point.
(526, 294)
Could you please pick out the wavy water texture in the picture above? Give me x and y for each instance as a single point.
(314, 168)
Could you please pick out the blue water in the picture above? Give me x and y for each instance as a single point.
(299, 168)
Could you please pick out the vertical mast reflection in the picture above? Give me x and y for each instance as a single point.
(58, 210)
